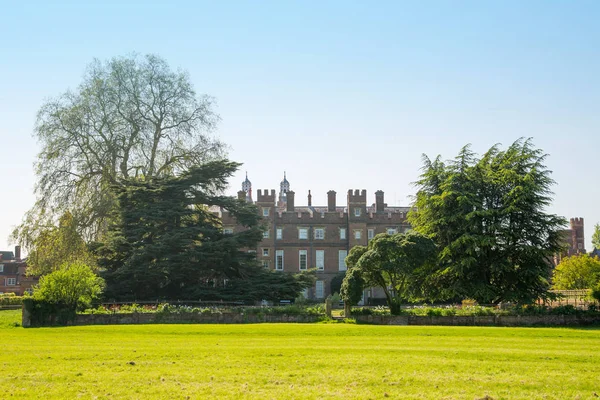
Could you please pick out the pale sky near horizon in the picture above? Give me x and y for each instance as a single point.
(340, 94)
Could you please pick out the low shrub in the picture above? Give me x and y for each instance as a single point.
(478, 311)
(166, 308)
(379, 310)
(11, 299)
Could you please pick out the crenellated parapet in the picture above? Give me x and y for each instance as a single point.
(357, 196)
(305, 216)
(264, 197)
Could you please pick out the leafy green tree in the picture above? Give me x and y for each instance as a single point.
(596, 237)
(168, 242)
(580, 271)
(487, 216)
(336, 282)
(74, 285)
(352, 288)
(56, 246)
(392, 262)
(131, 117)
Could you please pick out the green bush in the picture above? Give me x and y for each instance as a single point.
(74, 285)
(10, 299)
(595, 292)
(379, 310)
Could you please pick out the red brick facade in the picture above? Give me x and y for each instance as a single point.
(13, 278)
(573, 240)
(319, 237)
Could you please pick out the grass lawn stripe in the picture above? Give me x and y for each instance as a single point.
(279, 361)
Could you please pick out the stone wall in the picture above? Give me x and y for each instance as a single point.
(153, 318)
(496, 320)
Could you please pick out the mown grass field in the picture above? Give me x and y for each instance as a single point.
(281, 361)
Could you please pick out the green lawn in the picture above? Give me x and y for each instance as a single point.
(279, 361)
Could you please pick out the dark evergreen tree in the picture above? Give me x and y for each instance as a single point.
(168, 242)
(488, 218)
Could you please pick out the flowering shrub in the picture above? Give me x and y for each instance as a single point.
(166, 308)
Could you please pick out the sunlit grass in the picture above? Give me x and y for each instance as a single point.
(278, 361)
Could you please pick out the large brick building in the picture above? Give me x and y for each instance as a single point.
(573, 240)
(13, 277)
(309, 236)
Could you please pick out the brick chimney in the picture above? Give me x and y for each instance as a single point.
(309, 199)
(379, 204)
(290, 201)
(331, 200)
(18, 253)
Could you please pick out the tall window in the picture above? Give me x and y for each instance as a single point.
(266, 263)
(319, 290)
(302, 259)
(357, 212)
(265, 212)
(320, 260)
(279, 260)
(342, 254)
(342, 233)
(319, 233)
(279, 233)
(370, 233)
(1, 267)
(357, 235)
(265, 252)
(303, 233)
(265, 234)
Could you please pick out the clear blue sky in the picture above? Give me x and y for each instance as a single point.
(341, 95)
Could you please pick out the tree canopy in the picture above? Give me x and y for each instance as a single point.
(58, 245)
(488, 217)
(74, 285)
(131, 117)
(580, 271)
(596, 237)
(391, 262)
(167, 242)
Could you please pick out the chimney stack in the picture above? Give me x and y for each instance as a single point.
(290, 201)
(379, 204)
(309, 199)
(241, 195)
(331, 201)
(18, 253)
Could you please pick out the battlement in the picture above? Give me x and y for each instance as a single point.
(357, 196)
(265, 197)
(388, 217)
(576, 221)
(310, 218)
